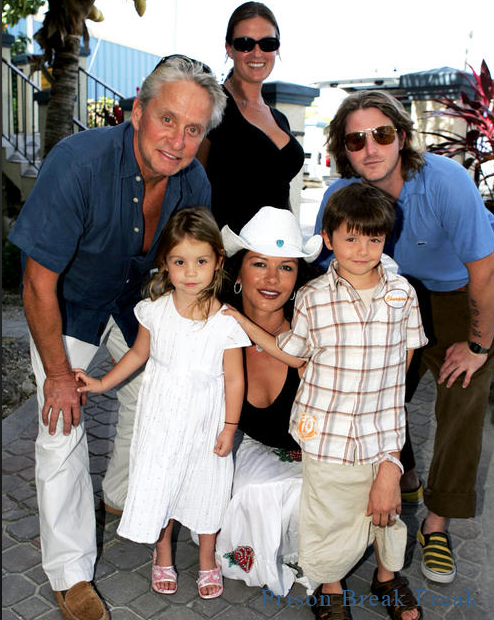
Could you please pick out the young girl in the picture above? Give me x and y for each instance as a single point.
(189, 403)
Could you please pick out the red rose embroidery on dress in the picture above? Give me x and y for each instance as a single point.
(243, 556)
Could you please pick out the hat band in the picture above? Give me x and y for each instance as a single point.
(288, 249)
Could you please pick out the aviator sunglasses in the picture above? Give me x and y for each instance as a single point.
(385, 134)
(247, 44)
(186, 59)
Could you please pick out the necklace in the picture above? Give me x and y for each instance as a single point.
(243, 102)
(260, 349)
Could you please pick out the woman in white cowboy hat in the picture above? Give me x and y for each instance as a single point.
(258, 539)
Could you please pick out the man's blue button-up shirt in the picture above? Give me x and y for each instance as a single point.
(84, 221)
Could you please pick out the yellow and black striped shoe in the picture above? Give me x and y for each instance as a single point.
(413, 498)
(438, 563)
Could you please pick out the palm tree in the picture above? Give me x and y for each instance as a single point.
(60, 38)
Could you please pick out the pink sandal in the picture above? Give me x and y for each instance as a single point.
(163, 573)
(211, 577)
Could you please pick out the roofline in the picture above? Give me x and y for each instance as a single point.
(381, 82)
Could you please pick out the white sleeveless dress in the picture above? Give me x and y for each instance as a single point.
(173, 471)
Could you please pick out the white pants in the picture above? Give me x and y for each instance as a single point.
(63, 482)
(116, 479)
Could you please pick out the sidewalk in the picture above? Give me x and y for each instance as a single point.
(123, 568)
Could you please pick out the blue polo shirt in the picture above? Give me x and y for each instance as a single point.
(84, 221)
(445, 224)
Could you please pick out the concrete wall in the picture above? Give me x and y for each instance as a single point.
(292, 100)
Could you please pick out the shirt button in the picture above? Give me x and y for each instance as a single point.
(127, 281)
(138, 178)
(136, 229)
(135, 199)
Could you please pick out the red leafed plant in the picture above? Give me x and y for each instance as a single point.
(477, 146)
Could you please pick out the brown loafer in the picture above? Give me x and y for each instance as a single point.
(81, 602)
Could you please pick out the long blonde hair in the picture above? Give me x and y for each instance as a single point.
(199, 224)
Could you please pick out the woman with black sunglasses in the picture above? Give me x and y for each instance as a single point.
(251, 157)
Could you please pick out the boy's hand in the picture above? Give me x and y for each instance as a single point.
(91, 384)
(224, 443)
(385, 495)
(242, 320)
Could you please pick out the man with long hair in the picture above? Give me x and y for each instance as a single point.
(444, 243)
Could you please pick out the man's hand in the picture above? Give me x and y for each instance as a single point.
(459, 359)
(385, 495)
(61, 396)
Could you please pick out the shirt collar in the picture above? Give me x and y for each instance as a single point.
(130, 166)
(334, 280)
(414, 185)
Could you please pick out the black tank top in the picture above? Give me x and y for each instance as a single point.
(269, 425)
(246, 169)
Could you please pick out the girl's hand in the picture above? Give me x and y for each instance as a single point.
(224, 443)
(91, 384)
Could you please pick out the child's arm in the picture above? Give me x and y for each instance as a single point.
(135, 357)
(385, 494)
(264, 339)
(234, 396)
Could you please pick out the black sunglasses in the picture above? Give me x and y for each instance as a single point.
(247, 44)
(385, 134)
(186, 59)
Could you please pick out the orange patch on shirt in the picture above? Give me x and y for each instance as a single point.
(307, 426)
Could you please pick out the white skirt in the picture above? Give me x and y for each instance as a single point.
(259, 535)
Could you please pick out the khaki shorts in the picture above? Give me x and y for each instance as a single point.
(333, 529)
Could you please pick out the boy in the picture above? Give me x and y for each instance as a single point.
(356, 327)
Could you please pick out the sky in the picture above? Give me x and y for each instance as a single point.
(320, 39)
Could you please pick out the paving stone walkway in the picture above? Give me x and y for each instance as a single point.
(123, 568)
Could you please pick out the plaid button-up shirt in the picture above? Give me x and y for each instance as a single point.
(349, 407)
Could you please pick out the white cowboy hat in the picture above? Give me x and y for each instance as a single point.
(272, 232)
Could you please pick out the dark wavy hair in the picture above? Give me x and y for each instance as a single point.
(248, 10)
(411, 158)
(199, 224)
(233, 264)
(367, 210)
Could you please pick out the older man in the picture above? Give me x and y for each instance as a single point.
(445, 241)
(89, 233)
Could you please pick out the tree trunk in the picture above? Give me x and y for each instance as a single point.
(63, 92)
